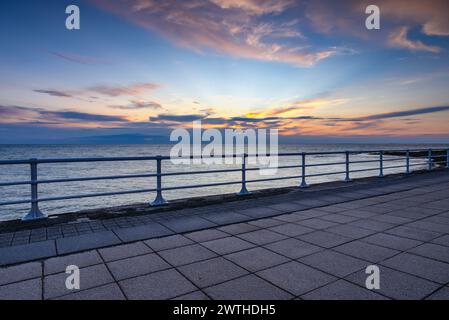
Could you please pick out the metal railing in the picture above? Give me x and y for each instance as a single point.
(34, 182)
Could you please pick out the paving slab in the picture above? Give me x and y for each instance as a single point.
(107, 292)
(187, 254)
(324, 239)
(124, 251)
(296, 278)
(256, 259)
(317, 223)
(423, 267)
(27, 252)
(334, 263)
(259, 212)
(185, 224)
(20, 272)
(226, 217)
(291, 217)
(291, 230)
(293, 248)
(160, 285)
(227, 245)
(366, 251)
(342, 290)
(441, 294)
(137, 266)
(339, 218)
(197, 295)
(86, 242)
(206, 235)
(437, 227)
(390, 219)
(238, 228)
(397, 285)
(392, 241)
(247, 288)
(59, 264)
(24, 290)
(443, 240)
(210, 272)
(265, 223)
(90, 277)
(433, 251)
(261, 237)
(169, 242)
(147, 231)
(372, 224)
(414, 233)
(350, 231)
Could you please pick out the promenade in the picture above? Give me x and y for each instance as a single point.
(312, 243)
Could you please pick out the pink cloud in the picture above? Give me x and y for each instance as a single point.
(227, 27)
(130, 90)
(257, 7)
(398, 38)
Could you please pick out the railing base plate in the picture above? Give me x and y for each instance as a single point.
(34, 215)
(243, 192)
(159, 202)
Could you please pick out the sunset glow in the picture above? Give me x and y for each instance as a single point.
(307, 68)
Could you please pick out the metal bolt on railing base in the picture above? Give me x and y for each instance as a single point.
(34, 214)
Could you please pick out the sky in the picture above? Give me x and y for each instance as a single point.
(137, 69)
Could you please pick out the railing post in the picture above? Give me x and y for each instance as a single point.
(447, 158)
(243, 191)
(429, 161)
(381, 160)
(347, 178)
(407, 162)
(303, 168)
(159, 201)
(34, 213)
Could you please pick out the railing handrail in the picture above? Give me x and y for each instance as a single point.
(429, 154)
(149, 158)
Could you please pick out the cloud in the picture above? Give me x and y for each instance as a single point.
(109, 91)
(398, 38)
(432, 15)
(135, 105)
(177, 118)
(347, 18)
(293, 124)
(73, 115)
(257, 7)
(54, 93)
(77, 58)
(405, 113)
(234, 28)
(19, 114)
(130, 90)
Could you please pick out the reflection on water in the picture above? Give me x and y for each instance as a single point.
(75, 170)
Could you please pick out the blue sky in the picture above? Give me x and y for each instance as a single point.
(307, 68)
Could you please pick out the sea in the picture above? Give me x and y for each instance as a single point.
(9, 173)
